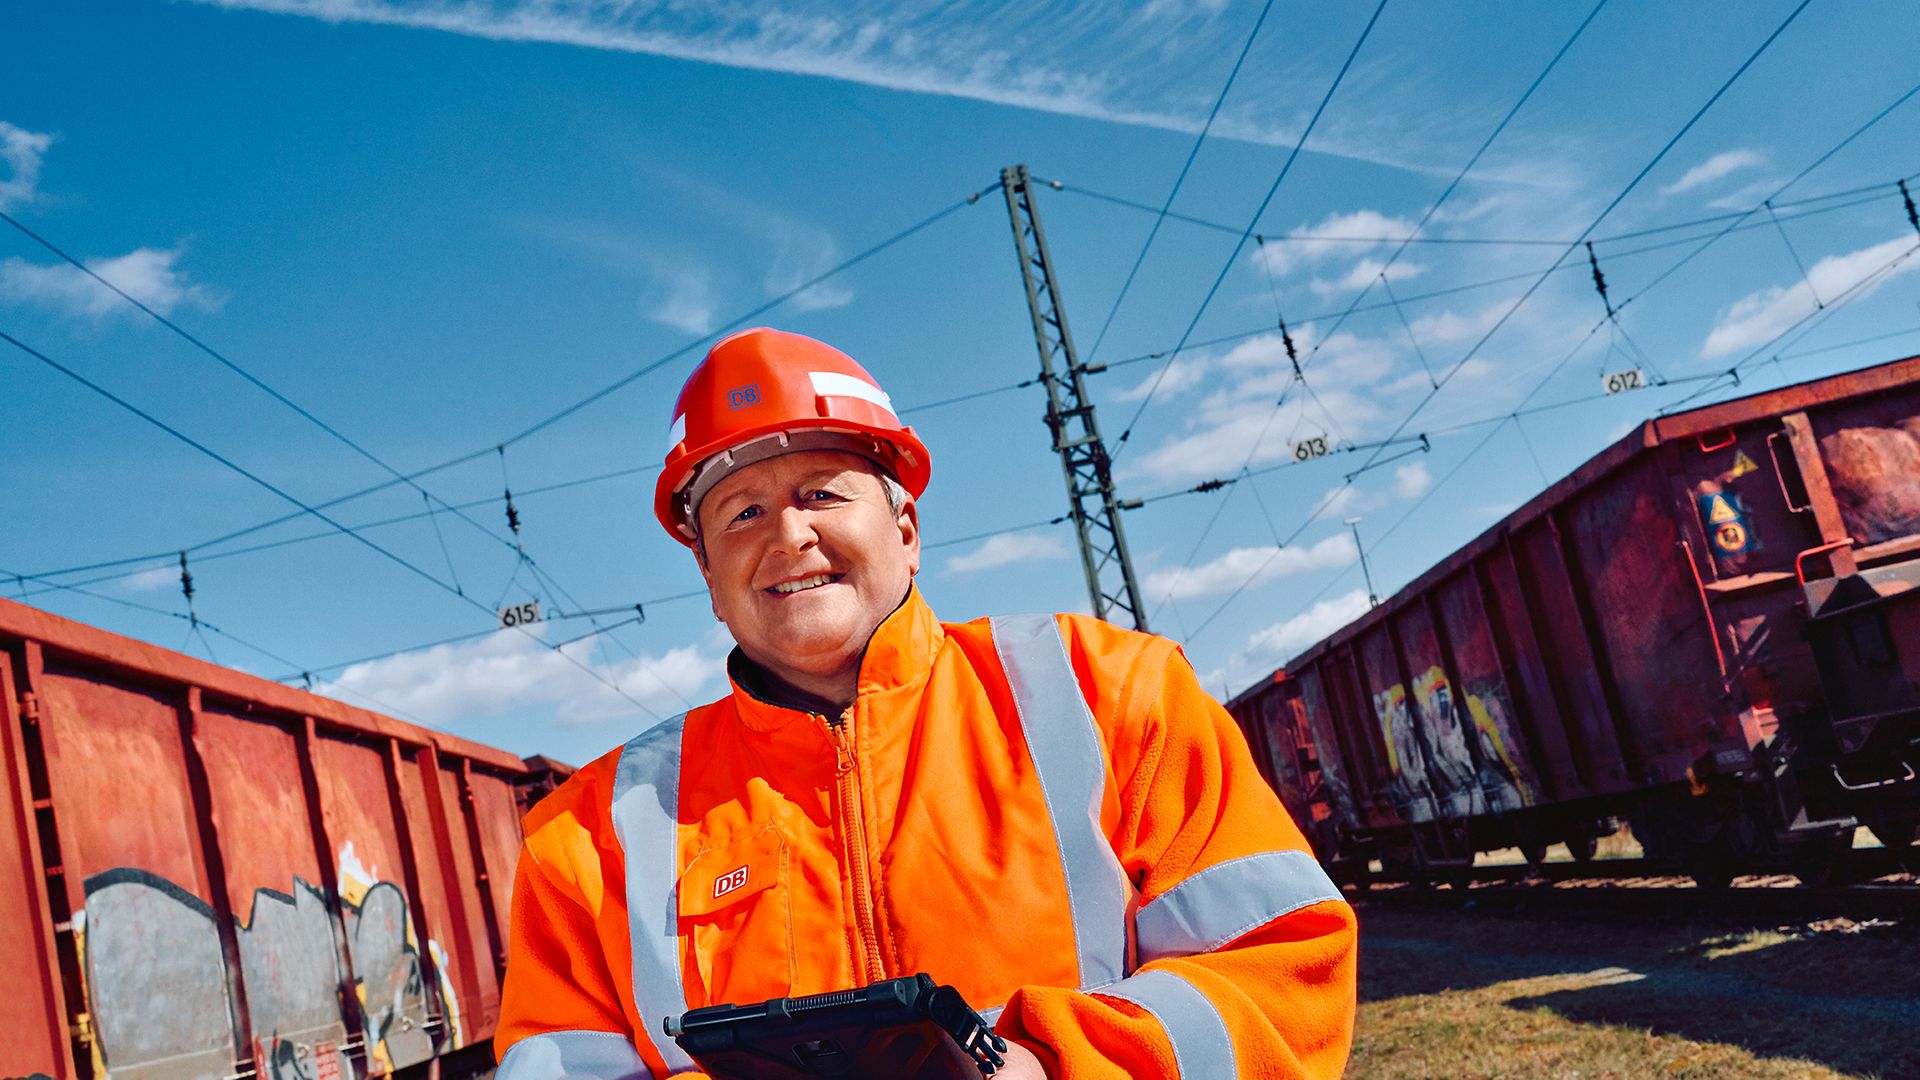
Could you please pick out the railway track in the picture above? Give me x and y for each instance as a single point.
(1879, 889)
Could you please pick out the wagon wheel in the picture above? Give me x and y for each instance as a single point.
(1583, 847)
(1710, 865)
(1535, 854)
(1823, 860)
(1897, 836)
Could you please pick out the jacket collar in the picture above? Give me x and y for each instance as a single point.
(900, 653)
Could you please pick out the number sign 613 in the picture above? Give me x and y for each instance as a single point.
(1312, 447)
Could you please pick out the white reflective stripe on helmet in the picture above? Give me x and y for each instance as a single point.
(677, 432)
(1070, 761)
(646, 818)
(1228, 899)
(835, 384)
(1202, 1046)
(572, 1055)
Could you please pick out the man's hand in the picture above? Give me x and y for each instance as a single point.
(1021, 1064)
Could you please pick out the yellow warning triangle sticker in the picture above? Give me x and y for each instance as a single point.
(1720, 511)
(1742, 465)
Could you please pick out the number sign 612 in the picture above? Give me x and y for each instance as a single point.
(520, 614)
(1620, 382)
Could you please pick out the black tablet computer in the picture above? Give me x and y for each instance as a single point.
(898, 1029)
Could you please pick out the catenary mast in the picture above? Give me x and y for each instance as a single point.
(1093, 507)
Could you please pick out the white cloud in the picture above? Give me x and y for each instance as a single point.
(1452, 327)
(1273, 646)
(682, 298)
(1005, 548)
(149, 275)
(1364, 273)
(510, 670)
(1240, 416)
(153, 580)
(1759, 317)
(1715, 168)
(21, 151)
(1180, 375)
(1337, 234)
(1283, 640)
(1249, 567)
(1346, 501)
(802, 254)
(1068, 59)
(1410, 481)
(1747, 196)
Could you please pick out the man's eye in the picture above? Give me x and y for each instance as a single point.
(747, 514)
(821, 495)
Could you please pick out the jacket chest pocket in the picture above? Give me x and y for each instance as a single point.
(736, 922)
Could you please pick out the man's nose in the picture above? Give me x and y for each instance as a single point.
(793, 530)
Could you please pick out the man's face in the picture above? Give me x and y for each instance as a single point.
(803, 559)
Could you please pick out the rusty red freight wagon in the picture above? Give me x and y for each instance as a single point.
(207, 875)
(1711, 629)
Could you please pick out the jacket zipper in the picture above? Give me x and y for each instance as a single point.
(867, 948)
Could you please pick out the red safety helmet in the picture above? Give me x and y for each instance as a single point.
(761, 393)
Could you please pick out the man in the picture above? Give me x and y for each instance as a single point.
(1044, 811)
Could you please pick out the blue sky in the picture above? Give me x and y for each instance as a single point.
(434, 224)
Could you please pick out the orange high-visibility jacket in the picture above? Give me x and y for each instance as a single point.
(1046, 812)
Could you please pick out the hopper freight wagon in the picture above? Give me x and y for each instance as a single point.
(208, 876)
(1709, 630)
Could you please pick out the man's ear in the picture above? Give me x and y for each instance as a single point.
(706, 574)
(909, 524)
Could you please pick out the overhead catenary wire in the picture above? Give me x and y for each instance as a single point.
(1879, 191)
(1585, 233)
(203, 625)
(268, 485)
(1541, 279)
(198, 549)
(597, 395)
(1374, 240)
(1299, 373)
(656, 601)
(1241, 242)
(1179, 180)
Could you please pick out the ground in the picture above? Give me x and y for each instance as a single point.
(1457, 991)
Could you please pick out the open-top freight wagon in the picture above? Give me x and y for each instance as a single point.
(208, 876)
(1710, 630)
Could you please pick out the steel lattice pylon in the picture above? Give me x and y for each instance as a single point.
(1076, 435)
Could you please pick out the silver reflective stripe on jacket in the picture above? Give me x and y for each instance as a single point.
(1202, 1049)
(1228, 899)
(646, 817)
(1069, 758)
(572, 1055)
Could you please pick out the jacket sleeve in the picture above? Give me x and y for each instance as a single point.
(1245, 948)
(561, 1012)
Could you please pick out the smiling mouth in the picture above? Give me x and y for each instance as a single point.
(787, 588)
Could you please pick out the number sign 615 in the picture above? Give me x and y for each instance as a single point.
(520, 614)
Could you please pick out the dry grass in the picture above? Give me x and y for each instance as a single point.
(1462, 993)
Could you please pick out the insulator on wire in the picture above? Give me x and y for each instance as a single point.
(513, 514)
(186, 590)
(1293, 354)
(1599, 279)
(1913, 216)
